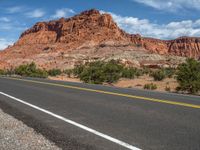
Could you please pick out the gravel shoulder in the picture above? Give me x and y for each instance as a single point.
(14, 134)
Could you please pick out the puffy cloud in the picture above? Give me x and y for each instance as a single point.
(37, 13)
(64, 12)
(171, 5)
(4, 43)
(164, 31)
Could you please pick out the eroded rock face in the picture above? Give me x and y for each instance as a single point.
(65, 42)
(88, 26)
(185, 46)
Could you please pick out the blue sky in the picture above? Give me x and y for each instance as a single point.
(165, 19)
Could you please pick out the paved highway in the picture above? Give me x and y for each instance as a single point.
(83, 116)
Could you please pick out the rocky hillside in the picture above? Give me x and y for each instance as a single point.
(92, 36)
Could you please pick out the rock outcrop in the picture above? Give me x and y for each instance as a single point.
(185, 46)
(88, 26)
(86, 37)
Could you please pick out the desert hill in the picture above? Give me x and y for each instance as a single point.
(91, 36)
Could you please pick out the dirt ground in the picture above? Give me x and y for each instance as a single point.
(64, 78)
(132, 83)
(141, 81)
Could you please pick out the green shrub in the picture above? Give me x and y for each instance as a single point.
(146, 71)
(99, 72)
(78, 70)
(158, 75)
(30, 70)
(169, 72)
(167, 88)
(188, 76)
(69, 72)
(150, 86)
(54, 72)
(129, 73)
(2, 72)
(139, 72)
(93, 73)
(9, 72)
(112, 71)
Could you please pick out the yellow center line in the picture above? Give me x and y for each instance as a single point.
(112, 93)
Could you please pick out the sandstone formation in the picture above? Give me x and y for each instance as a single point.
(92, 36)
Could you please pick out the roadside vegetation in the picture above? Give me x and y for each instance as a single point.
(105, 72)
(54, 72)
(2, 72)
(150, 86)
(30, 70)
(186, 74)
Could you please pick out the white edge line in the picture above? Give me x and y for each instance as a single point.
(107, 137)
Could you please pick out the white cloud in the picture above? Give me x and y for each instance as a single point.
(4, 43)
(164, 31)
(64, 12)
(38, 13)
(171, 5)
(4, 19)
(14, 9)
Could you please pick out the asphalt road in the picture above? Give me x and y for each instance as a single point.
(83, 116)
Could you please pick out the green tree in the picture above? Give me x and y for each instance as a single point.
(188, 76)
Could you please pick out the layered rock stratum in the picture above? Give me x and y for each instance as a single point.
(91, 36)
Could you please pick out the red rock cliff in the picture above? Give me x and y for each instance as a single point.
(89, 28)
(92, 26)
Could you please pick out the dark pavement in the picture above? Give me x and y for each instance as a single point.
(148, 120)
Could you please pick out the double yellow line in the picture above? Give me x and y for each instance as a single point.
(111, 93)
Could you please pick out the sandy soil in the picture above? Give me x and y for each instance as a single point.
(141, 81)
(64, 78)
(132, 83)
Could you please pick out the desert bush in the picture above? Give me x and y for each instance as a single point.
(78, 69)
(30, 70)
(129, 73)
(188, 76)
(69, 72)
(139, 72)
(167, 88)
(112, 71)
(146, 71)
(169, 72)
(54, 72)
(2, 72)
(158, 75)
(93, 73)
(99, 72)
(150, 86)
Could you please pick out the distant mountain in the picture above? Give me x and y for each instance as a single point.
(93, 36)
